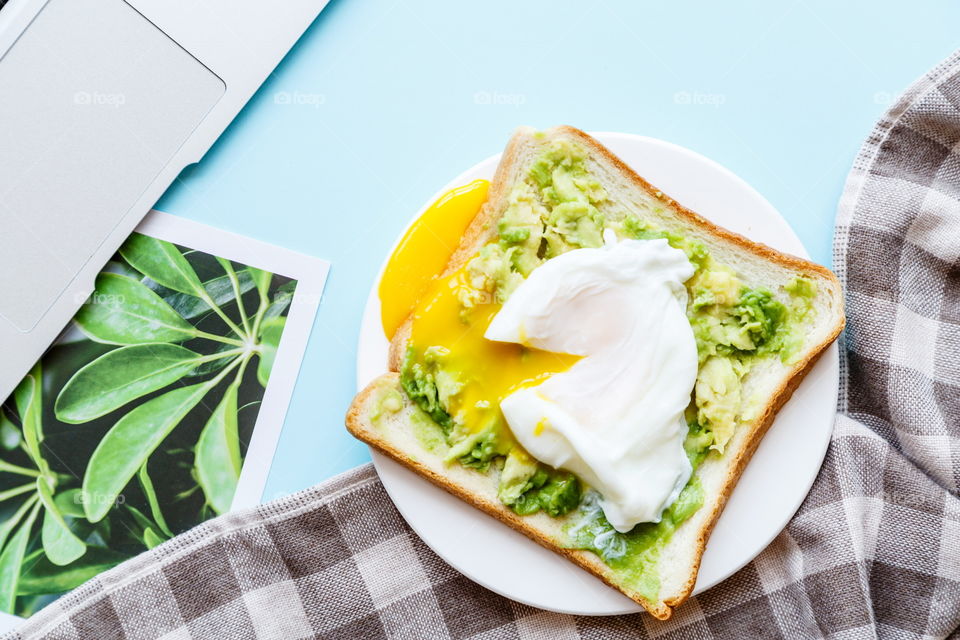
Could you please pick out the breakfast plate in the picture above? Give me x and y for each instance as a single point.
(769, 492)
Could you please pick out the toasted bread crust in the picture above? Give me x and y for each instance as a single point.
(480, 231)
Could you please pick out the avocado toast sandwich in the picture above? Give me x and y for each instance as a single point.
(596, 364)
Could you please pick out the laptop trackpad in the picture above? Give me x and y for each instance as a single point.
(95, 101)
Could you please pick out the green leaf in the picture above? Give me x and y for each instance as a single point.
(10, 437)
(217, 458)
(162, 262)
(128, 444)
(148, 490)
(43, 577)
(219, 289)
(10, 524)
(281, 300)
(11, 561)
(59, 542)
(270, 333)
(70, 503)
(261, 280)
(124, 311)
(225, 264)
(120, 376)
(28, 399)
(121, 267)
(237, 291)
(140, 518)
(151, 538)
(215, 364)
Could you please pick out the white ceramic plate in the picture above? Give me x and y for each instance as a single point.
(769, 492)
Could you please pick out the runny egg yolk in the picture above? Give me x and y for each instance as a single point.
(488, 371)
(424, 250)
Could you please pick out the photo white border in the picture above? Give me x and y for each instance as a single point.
(311, 276)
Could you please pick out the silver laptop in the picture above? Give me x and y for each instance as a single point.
(102, 104)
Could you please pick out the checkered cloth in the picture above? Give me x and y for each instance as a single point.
(874, 550)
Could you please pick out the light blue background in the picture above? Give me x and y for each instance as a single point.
(384, 101)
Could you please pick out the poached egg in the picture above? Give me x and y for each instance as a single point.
(615, 417)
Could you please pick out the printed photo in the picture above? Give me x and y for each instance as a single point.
(135, 426)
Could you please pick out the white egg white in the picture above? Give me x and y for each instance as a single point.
(615, 418)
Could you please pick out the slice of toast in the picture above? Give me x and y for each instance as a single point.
(773, 381)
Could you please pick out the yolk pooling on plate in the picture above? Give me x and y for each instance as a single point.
(424, 250)
(458, 378)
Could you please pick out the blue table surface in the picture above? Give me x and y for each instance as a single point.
(383, 101)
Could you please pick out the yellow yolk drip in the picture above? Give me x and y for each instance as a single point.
(424, 251)
(538, 430)
(489, 371)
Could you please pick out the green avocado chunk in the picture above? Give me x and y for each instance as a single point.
(428, 384)
(477, 450)
(527, 486)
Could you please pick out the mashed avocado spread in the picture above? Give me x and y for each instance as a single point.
(560, 206)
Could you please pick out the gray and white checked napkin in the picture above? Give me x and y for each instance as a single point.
(873, 552)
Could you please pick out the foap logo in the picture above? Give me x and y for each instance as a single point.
(913, 500)
(109, 299)
(98, 99)
(699, 98)
(884, 98)
(299, 98)
(496, 98)
(86, 498)
(477, 297)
